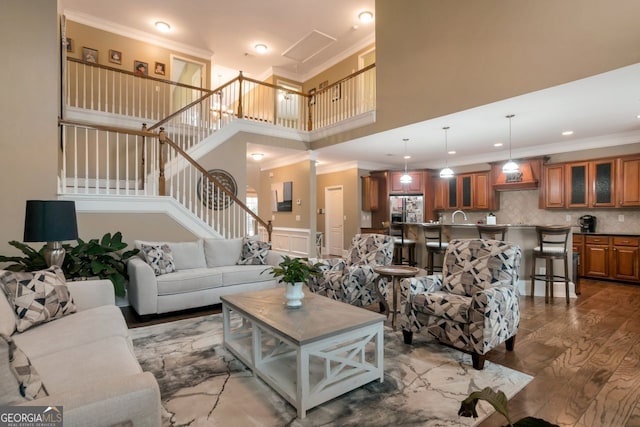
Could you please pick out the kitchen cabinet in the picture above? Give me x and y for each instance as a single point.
(579, 185)
(625, 258)
(469, 191)
(578, 248)
(415, 186)
(596, 254)
(370, 194)
(614, 257)
(628, 182)
(552, 192)
(603, 183)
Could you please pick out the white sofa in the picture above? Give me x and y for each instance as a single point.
(206, 270)
(85, 361)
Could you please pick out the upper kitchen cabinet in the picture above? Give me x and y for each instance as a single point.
(470, 191)
(370, 194)
(579, 185)
(416, 186)
(628, 181)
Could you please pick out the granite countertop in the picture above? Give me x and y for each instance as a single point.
(601, 233)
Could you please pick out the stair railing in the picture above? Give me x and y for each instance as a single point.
(106, 160)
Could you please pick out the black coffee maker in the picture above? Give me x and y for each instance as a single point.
(587, 223)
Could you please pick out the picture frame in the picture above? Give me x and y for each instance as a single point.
(115, 56)
(336, 92)
(323, 85)
(140, 68)
(89, 55)
(159, 68)
(68, 42)
(312, 99)
(282, 196)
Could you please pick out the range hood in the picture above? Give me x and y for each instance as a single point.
(528, 178)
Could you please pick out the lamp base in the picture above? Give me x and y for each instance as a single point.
(54, 254)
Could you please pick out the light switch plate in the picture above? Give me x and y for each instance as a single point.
(620, 218)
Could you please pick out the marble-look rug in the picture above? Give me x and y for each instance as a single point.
(202, 384)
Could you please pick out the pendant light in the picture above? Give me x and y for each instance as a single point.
(510, 166)
(406, 178)
(446, 172)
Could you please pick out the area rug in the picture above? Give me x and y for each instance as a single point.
(202, 384)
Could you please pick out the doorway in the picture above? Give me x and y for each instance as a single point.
(334, 220)
(287, 105)
(189, 73)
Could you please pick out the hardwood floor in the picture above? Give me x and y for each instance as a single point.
(584, 357)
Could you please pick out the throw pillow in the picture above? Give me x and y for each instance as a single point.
(159, 257)
(30, 384)
(37, 297)
(254, 252)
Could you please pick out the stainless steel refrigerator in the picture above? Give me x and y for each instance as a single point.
(407, 208)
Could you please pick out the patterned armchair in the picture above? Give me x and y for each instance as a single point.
(473, 306)
(352, 279)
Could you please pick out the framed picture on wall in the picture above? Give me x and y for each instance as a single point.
(89, 55)
(115, 56)
(140, 68)
(69, 44)
(323, 84)
(159, 69)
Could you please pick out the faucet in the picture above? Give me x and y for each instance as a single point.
(453, 216)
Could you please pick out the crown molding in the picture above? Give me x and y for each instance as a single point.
(112, 27)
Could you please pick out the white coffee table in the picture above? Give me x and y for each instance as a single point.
(308, 355)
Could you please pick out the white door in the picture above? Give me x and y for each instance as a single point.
(334, 222)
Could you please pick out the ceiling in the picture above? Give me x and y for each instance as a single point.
(601, 110)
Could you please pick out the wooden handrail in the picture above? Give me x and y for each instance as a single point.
(196, 102)
(131, 73)
(88, 125)
(350, 76)
(164, 138)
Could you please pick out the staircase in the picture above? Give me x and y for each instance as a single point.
(113, 161)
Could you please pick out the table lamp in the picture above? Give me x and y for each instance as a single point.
(51, 221)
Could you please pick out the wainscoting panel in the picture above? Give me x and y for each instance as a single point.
(295, 241)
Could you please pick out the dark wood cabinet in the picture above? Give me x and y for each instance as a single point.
(415, 186)
(603, 183)
(628, 182)
(612, 257)
(552, 191)
(469, 191)
(596, 254)
(625, 258)
(579, 185)
(370, 194)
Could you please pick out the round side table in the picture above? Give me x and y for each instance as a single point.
(394, 273)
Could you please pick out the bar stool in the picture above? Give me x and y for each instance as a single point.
(492, 231)
(434, 244)
(400, 244)
(552, 245)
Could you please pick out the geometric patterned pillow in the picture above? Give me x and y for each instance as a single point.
(37, 296)
(31, 386)
(159, 257)
(254, 252)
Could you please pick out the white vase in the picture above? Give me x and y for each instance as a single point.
(294, 295)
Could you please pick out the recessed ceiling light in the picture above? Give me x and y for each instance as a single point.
(257, 156)
(498, 144)
(407, 157)
(163, 27)
(365, 17)
(451, 152)
(260, 48)
(567, 132)
(638, 116)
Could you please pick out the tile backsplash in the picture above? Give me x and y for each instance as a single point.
(521, 207)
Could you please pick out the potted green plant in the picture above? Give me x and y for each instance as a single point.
(294, 272)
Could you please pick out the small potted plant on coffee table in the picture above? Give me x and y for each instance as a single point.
(294, 272)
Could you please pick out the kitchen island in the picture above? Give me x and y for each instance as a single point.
(524, 235)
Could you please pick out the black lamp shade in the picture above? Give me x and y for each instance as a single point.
(50, 221)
